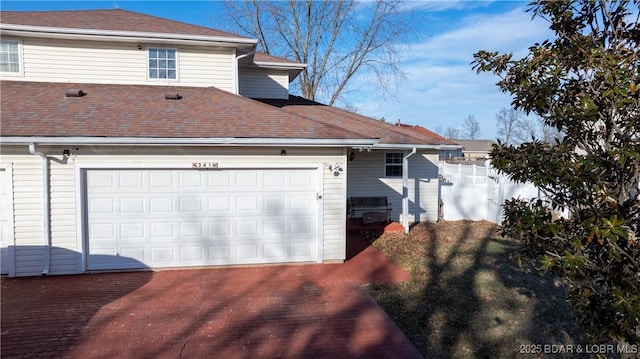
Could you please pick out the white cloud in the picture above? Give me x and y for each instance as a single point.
(442, 89)
(445, 5)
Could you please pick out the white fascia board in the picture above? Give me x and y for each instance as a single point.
(393, 146)
(450, 147)
(294, 69)
(125, 36)
(138, 141)
(280, 65)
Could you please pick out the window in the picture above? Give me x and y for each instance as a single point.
(162, 64)
(393, 164)
(10, 56)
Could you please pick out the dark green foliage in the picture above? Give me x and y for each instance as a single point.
(586, 84)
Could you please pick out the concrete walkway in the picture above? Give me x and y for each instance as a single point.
(294, 311)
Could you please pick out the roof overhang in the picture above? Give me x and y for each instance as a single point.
(393, 146)
(157, 141)
(293, 68)
(245, 44)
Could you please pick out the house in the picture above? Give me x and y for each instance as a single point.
(133, 142)
(475, 150)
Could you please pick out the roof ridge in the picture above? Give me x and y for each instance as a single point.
(422, 128)
(347, 130)
(157, 19)
(176, 21)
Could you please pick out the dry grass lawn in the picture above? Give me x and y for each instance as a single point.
(468, 299)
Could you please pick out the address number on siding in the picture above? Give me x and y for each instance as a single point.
(204, 165)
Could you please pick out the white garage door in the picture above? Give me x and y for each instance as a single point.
(172, 218)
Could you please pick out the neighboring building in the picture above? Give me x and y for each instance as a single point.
(473, 150)
(130, 141)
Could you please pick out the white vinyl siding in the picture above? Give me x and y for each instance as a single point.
(122, 63)
(335, 212)
(271, 84)
(67, 246)
(367, 178)
(28, 221)
(204, 67)
(6, 219)
(65, 252)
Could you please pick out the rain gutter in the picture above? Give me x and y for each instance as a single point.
(405, 190)
(158, 141)
(45, 207)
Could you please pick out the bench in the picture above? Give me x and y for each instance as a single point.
(374, 209)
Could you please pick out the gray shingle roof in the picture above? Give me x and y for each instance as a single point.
(114, 20)
(42, 109)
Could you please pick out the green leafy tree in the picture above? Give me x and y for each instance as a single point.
(585, 82)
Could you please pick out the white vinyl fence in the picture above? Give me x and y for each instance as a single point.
(477, 192)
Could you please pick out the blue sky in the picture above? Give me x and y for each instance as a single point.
(441, 89)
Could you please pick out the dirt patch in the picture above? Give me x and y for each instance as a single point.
(467, 298)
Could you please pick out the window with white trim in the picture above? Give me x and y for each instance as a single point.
(393, 164)
(10, 56)
(162, 64)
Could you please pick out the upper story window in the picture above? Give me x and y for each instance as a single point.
(10, 57)
(162, 64)
(393, 164)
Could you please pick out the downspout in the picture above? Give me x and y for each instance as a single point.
(238, 58)
(45, 206)
(405, 190)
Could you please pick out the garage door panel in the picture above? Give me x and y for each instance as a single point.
(102, 205)
(161, 205)
(219, 180)
(219, 204)
(274, 203)
(300, 250)
(161, 180)
(100, 180)
(247, 203)
(131, 180)
(219, 229)
(102, 231)
(301, 227)
(247, 252)
(190, 204)
(192, 254)
(246, 228)
(247, 180)
(132, 231)
(189, 179)
(274, 179)
(168, 218)
(190, 229)
(219, 253)
(274, 227)
(162, 230)
(275, 250)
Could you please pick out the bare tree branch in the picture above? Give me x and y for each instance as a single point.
(471, 128)
(338, 40)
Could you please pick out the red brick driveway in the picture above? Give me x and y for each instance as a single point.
(296, 311)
